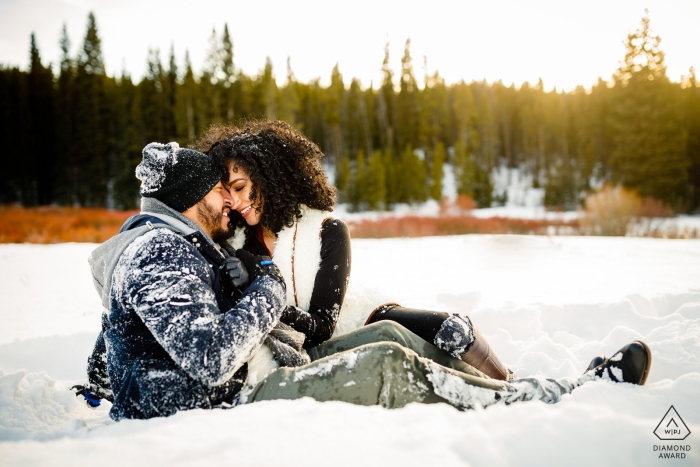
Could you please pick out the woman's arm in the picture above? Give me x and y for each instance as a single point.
(330, 286)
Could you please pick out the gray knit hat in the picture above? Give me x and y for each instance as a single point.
(176, 176)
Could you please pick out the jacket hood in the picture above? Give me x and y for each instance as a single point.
(154, 214)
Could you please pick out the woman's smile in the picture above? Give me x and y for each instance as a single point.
(245, 212)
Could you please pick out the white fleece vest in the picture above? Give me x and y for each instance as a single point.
(297, 254)
(298, 257)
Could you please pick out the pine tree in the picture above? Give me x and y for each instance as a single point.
(359, 183)
(649, 141)
(91, 58)
(412, 174)
(394, 180)
(692, 126)
(333, 116)
(14, 126)
(472, 180)
(354, 120)
(154, 102)
(39, 156)
(187, 102)
(89, 171)
(343, 179)
(465, 117)
(210, 83)
(265, 93)
(289, 103)
(436, 171)
(434, 115)
(464, 170)
(385, 104)
(228, 73)
(407, 130)
(65, 122)
(130, 142)
(375, 182)
(170, 85)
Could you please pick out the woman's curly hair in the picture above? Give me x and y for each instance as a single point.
(283, 165)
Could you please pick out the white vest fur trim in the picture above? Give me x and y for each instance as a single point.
(303, 257)
(298, 255)
(238, 238)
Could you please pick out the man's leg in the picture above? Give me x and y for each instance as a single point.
(392, 376)
(390, 331)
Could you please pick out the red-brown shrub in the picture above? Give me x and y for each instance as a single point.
(460, 206)
(416, 226)
(50, 224)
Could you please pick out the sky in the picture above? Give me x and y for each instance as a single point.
(566, 43)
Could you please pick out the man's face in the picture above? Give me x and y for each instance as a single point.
(211, 213)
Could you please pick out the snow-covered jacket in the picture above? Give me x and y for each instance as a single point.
(170, 344)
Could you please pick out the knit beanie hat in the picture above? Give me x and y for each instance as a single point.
(178, 177)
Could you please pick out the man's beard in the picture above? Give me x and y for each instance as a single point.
(211, 220)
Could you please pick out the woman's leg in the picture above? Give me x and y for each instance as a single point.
(392, 376)
(452, 333)
(390, 331)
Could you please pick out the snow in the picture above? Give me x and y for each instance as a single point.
(151, 170)
(546, 304)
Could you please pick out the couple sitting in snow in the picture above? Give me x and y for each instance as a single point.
(228, 286)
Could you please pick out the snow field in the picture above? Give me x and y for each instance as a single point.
(547, 305)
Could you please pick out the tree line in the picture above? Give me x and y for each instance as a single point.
(73, 135)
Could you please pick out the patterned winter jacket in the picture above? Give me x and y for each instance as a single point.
(170, 346)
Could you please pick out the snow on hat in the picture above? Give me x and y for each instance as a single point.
(176, 176)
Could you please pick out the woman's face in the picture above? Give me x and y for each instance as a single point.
(240, 186)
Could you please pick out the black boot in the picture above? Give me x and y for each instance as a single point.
(595, 362)
(451, 333)
(630, 364)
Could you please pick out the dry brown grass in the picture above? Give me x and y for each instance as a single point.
(606, 214)
(618, 211)
(610, 211)
(417, 226)
(51, 224)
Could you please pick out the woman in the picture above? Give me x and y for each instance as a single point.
(283, 203)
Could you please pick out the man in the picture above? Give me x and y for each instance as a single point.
(177, 337)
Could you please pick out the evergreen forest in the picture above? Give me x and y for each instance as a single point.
(72, 135)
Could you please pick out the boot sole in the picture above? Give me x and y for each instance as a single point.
(648, 365)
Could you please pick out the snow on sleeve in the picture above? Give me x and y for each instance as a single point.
(167, 283)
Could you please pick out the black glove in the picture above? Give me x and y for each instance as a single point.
(257, 265)
(81, 390)
(234, 274)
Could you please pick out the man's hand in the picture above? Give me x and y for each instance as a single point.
(257, 265)
(234, 273)
(82, 390)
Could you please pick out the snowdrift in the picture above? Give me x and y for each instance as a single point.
(548, 305)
